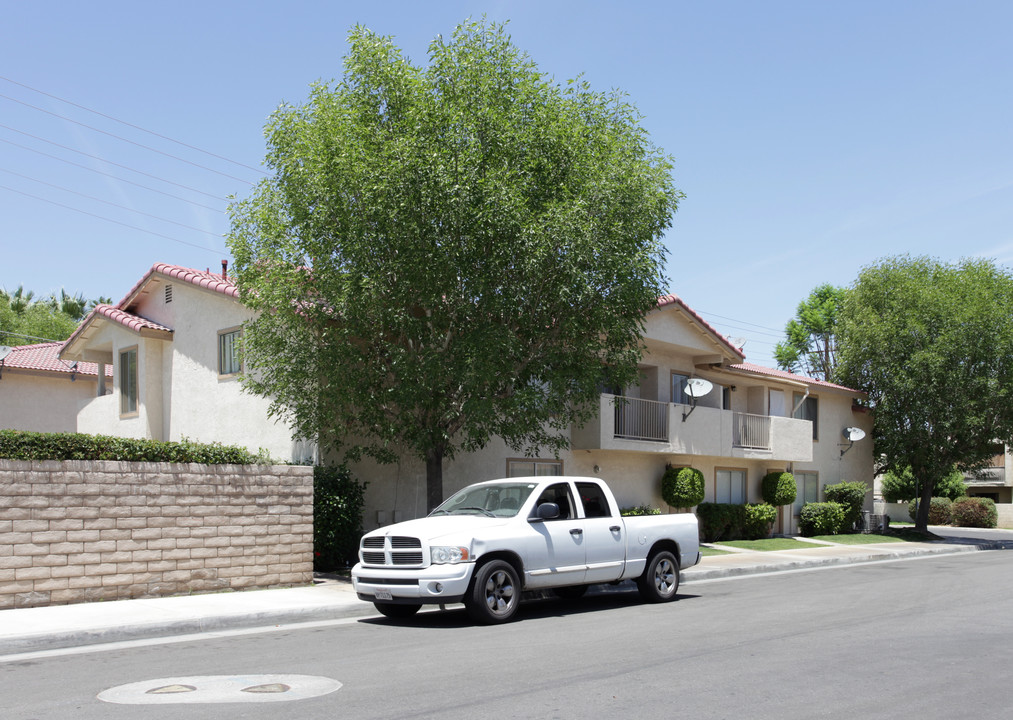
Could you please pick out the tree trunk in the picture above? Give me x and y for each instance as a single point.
(924, 502)
(434, 478)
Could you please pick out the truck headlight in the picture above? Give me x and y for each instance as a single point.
(442, 555)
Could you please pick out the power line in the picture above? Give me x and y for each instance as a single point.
(135, 127)
(100, 217)
(107, 202)
(119, 137)
(114, 177)
(110, 162)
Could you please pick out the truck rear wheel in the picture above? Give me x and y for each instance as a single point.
(396, 611)
(660, 581)
(495, 593)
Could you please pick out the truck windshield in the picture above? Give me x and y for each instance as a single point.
(499, 500)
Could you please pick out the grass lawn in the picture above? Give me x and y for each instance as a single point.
(859, 539)
(706, 551)
(769, 544)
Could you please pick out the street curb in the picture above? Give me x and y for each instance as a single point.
(782, 565)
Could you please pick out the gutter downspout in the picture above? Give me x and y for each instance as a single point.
(799, 404)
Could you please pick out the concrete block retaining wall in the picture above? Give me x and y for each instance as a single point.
(82, 531)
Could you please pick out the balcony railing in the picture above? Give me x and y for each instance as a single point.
(750, 431)
(641, 419)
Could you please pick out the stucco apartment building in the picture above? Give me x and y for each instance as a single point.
(163, 364)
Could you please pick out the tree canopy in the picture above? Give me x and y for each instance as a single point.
(932, 345)
(810, 344)
(448, 253)
(26, 319)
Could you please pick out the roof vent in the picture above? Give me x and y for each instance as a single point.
(168, 293)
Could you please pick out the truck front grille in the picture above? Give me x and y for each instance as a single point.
(386, 550)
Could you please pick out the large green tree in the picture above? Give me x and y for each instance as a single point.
(448, 253)
(25, 320)
(932, 344)
(810, 343)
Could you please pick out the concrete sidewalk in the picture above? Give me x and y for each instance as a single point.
(24, 630)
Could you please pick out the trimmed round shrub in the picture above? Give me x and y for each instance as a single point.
(823, 518)
(759, 520)
(682, 487)
(852, 496)
(975, 512)
(778, 488)
(940, 511)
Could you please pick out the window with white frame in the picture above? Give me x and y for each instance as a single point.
(679, 395)
(730, 486)
(228, 352)
(128, 381)
(529, 468)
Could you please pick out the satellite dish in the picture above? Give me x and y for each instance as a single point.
(737, 342)
(5, 351)
(854, 434)
(698, 387)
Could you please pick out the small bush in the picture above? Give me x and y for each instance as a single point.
(852, 496)
(824, 518)
(337, 518)
(639, 510)
(20, 445)
(940, 511)
(759, 519)
(778, 488)
(720, 521)
(682, 487)
(975, 512)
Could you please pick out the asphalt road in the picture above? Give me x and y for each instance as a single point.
(918, 639)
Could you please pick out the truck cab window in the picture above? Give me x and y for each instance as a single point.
(593, 499)
(559, 494)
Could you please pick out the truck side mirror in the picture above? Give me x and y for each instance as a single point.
(546, 511)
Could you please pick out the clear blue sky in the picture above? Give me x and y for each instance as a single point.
(810, 138)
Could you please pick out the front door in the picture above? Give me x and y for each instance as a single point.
(557, 554)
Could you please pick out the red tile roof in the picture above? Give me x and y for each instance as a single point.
(128, 320)
(201, 278)
(44, 357)
(771, 372)
(666, 300)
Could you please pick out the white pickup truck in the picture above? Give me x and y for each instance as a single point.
(491, 541)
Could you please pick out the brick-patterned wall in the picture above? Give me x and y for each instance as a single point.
(80, 531)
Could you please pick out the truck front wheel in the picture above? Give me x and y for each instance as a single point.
(660, 581)
(495, 593)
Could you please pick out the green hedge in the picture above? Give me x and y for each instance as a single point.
(940, 511)
(825, 518)
(337, 518)
(975, 512)
(851, 495)
(639, 510)
(722, 521)
(20, 445)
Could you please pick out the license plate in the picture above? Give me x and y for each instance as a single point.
(382, 594)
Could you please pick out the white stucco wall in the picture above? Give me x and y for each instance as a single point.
(41, 402)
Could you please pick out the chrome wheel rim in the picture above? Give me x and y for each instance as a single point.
(499, 593)
(665, 577)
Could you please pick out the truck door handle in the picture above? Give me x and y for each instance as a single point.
(615, 528)
(576, 531)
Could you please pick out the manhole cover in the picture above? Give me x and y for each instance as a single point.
(220, 689)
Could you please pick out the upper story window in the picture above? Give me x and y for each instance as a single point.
(128, 382)
(808, 409)
(679, 395)
(228, 352)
